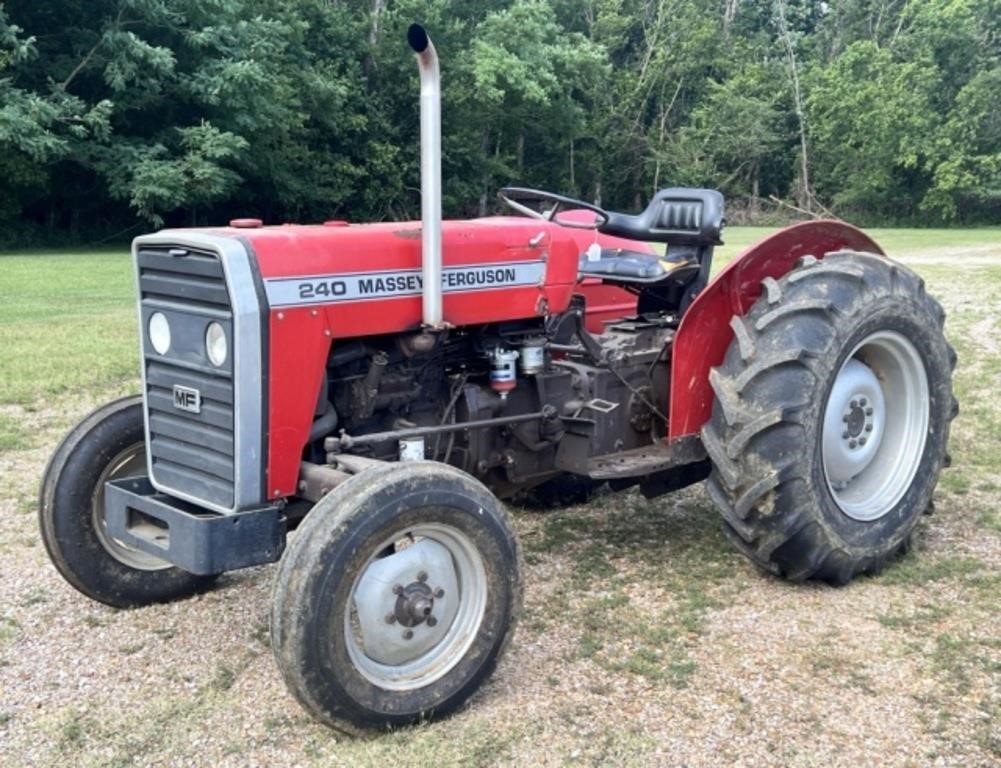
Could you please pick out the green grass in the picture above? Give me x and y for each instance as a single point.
(895, 242)
(915, 617)
(923, 569)
(8, 628)
(913, 241)
(67, 322)
(14, 434)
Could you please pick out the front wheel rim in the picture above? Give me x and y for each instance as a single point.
(875, 426)
(128, 463)
(416, 607)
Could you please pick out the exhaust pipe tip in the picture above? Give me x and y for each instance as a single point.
(418, 38)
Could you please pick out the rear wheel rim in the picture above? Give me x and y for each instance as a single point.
(129, 463)
(400, 649)
(875, 426)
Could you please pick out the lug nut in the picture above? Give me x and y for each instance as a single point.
(861, 440)
(845, 418)
(422, 576)
(845, 434)
(852, 443)
(854, 404)
(408, 634)
(390, 618)
(868, 411)
(439, 592)
(432, 621)
(397, 589)
(868, 427)
(862, 401)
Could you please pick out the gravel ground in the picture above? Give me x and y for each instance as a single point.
(645, 639)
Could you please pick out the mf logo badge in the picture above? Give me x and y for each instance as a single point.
(187, 399)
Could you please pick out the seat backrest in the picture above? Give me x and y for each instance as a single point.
(676, 216)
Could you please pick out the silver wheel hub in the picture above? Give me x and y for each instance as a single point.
(875, 425)
(416, 607)
(853, 426)
(399, 620)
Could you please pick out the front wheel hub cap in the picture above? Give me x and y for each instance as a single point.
(390, 587)
(414, 604)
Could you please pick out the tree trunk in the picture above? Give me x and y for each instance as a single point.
(485, 179)
(729, 11)
(368, 67)
(573, 181)
(378, 6)
(806, 202)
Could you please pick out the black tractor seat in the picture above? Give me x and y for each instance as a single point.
(676, 216)
(625, 266)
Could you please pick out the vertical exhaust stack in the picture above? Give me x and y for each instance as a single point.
(427, 62)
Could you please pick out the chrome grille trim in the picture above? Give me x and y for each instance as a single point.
(214, 459)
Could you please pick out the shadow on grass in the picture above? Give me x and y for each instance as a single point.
(637, 580)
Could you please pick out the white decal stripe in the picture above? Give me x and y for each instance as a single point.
(365, 286)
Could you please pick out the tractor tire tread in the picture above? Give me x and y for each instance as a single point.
(750, 440)
(822, 306)
(65, 515)
(766, 364)
(743, 337)
(773, 290)
(325, 530)
(726, 468)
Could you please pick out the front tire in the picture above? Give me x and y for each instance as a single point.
(107, 445)
(831, 417)
(396, 597)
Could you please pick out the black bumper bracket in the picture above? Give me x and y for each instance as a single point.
(194, 539)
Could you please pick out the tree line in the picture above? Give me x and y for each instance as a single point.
(121, 115)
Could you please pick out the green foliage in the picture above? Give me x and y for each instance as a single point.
(967, 154)
(732, 133)
(123, 113)
(871, 121)
(902, 109)
(191, 171)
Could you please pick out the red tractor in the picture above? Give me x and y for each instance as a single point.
(378, 388)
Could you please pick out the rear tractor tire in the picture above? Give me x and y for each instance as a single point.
(396, 597)
(831, 417)
(109, 444)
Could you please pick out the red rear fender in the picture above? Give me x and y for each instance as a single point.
(705, 334)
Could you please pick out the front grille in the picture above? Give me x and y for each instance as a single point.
(191, 278)
(190, 453)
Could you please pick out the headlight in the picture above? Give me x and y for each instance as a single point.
(215, 344)
(159, 332)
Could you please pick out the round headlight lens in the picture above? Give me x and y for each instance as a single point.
(215, 344)
(159, 332)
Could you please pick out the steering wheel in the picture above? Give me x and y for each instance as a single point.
(518, 198)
